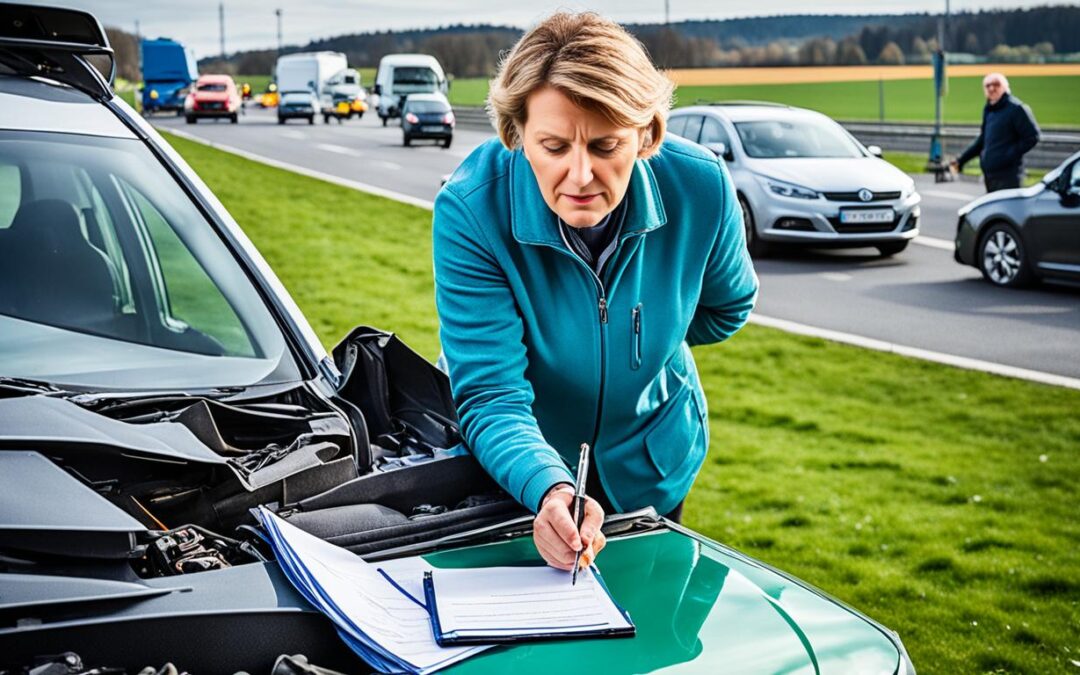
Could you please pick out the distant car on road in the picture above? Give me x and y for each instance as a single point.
(427, 116)
(297, 104)
(214, 96)
(801, 178)
(1016, 237)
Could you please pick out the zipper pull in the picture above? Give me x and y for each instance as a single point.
(637, 320)
(603, 310)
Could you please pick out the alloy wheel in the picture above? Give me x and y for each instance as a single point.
(1001, 257)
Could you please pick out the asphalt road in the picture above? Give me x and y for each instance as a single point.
(920, 298)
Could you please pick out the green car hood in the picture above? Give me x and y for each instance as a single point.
(699, 608)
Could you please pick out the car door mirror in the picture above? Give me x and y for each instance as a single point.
(721, 150)
(874, 150)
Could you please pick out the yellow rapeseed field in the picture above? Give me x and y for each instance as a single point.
(730, 76)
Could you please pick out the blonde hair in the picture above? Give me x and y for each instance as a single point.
(595, 63)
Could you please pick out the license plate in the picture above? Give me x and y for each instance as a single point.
(867, 215)
(429, 130)
(214, 106)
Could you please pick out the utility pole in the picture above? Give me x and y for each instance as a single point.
(277, 12)
(221, 27)
(936, 163)
(667, 13)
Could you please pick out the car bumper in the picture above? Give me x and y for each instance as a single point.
(289, 114)
(967, 236)
(817, 222)
(196, 112)
(428, 131)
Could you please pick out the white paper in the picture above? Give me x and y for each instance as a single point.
(509, 601)
(361, 601)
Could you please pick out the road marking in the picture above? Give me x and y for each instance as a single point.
(780, 324)
(934, 242)
(835, 276)
(914, 352)
(329, 178)
(297, 135)
(353, 152)
(948, 194)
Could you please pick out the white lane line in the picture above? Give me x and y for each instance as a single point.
(353, 152)
(781, 324)
(329, 178)
(915, 352)
(934, 242)
(947, 194)
(297, 135)
(835, 276)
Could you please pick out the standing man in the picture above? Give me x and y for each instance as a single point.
(1008, 132)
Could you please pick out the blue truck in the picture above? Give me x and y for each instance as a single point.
(168, 70)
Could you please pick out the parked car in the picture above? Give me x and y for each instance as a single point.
(214, 97)
(802, 179)
(157, 382)
(1018, 237)
(427, 116)
(297, 104)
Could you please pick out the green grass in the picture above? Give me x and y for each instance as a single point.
(914, 162)
(941, 502)
(1055, 100)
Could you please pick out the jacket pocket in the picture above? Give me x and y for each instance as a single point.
(670, 441)
(635, 337)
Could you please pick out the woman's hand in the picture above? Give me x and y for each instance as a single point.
(555, 534)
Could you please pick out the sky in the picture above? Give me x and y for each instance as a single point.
(250, 24)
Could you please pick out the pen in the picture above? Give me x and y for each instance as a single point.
(579, 502)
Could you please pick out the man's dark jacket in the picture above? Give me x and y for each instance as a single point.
(1008, 131)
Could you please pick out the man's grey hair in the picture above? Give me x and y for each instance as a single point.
(1000, 78)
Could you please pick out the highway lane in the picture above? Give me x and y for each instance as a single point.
(920, 298)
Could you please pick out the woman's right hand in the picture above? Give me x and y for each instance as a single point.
(555, 534)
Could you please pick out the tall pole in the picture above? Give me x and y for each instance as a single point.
(277, 12)
(936, 163)
(221, 27)
(667, 12)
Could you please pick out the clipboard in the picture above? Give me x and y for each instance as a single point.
(504, 635)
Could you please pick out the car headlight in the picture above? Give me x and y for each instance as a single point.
(908, 190)
(785, 189)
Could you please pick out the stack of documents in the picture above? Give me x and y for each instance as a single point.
(387, 628)
(402, 616)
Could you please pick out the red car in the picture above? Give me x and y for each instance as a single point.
(213, 96)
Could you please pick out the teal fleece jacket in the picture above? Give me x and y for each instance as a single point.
(544, 355)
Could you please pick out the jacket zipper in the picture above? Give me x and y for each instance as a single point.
(635, 348)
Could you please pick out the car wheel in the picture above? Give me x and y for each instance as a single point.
(326, 119)
(383, 120)
(190, 119)
(1002, 258)
(311, 120)
(754, 243)
(891, 248)
(234, 119)
(446, 142)
(359, 115)
(281, 120)
(406, 141)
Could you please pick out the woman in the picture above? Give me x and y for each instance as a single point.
(576, 258)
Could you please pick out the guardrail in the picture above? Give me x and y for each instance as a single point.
(1055, 145)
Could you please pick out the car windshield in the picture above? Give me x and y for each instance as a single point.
(111, 277)
(775, 139)
(422, 107)
(415, 79)
(212, 86)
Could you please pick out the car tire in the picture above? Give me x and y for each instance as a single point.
(311, 120)
(891, 248)
(326, 119)
(281, 120)
(384, 119)
(190, 119)
(754, 243)
(359, 115)
(446, 142)
(234, 119)
(406, 140)
(1002, 257)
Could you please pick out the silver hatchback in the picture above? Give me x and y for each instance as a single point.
(803, 179)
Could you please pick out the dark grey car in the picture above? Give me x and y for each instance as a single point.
(427, 116)
(1016, 237)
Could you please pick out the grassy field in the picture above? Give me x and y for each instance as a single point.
(941, 502)
(913, 162)
(1055, 100)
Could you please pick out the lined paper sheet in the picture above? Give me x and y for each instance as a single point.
(522, 601)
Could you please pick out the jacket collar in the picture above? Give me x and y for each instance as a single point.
(532, 222)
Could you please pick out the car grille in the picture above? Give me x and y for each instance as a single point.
(854, 196)
(862, 228)
(212, 105)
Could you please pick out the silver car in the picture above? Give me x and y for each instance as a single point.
(803, 179)
(1018, 236)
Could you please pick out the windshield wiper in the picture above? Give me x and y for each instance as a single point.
(15, 386)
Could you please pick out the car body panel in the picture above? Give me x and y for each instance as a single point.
(38, 105)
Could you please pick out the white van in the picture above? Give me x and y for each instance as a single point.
(308, 72)
(402, 74)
